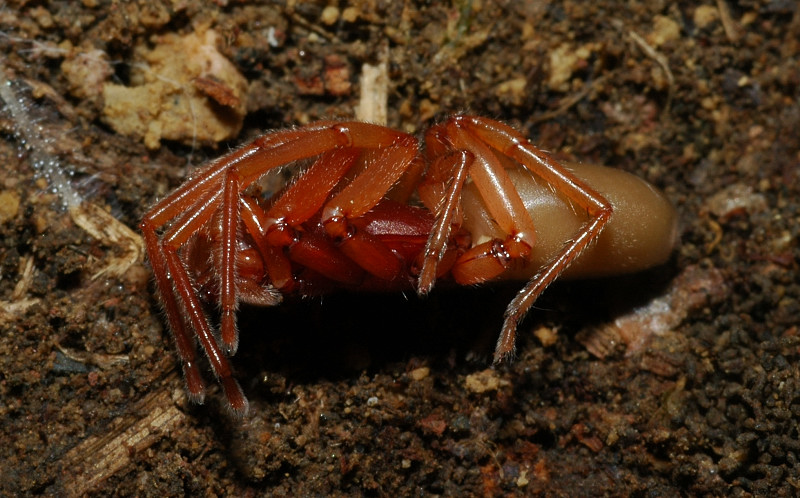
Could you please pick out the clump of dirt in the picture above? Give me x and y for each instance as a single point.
(183, 90)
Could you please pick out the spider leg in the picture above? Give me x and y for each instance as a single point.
(394, 155)
(209, 179)
(308, 194)
(228, 301)
(173, 239)
(183, 341)
(197, 201)
(185, 202)
(525, 298)
(510, 143)
(488, 259)
(455, 166)
(314, 140)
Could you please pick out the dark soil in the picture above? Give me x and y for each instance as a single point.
(393, 395)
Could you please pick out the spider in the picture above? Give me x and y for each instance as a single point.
(374, 211)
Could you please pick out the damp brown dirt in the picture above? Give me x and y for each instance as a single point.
(682, 380)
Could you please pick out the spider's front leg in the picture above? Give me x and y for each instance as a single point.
(178, 294)
(185, 212)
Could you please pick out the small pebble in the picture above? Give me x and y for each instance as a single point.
(9, 205)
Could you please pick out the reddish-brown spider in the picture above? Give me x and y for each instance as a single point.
(371, 212)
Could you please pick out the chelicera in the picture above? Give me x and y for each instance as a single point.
(373, 211)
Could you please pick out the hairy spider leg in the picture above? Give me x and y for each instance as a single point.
(440, 190)
(227, 254)
(512, 144)
(183, 342)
